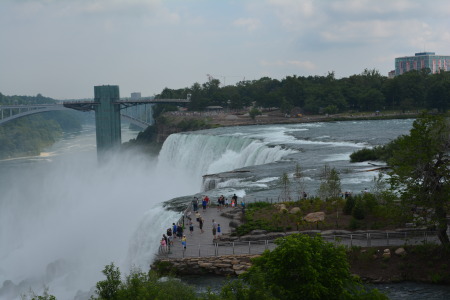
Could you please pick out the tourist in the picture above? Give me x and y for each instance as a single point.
(195, 204)
(200, 224)
(204, 203)
(183, 242)
(214, 229)
(179, 231)
(191, 227)
(174, 230)
(226, 202)
(170, 236)
(197, 216)
(162, 247)
(218, 231)
(234, 198)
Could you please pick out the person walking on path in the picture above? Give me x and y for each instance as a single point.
(179, 231)
(200, 224)
(191, 227)
(183, 242)
(214, 229)
(174, 230)
(218, 231)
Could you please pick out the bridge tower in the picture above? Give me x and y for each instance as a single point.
(107, 117)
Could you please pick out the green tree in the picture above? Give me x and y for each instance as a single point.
(107, 289)
(285, 184)
(330, 186)
(421, 169)
(254, 112)
(303, 267)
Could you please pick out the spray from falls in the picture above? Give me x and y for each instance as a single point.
(64, 218)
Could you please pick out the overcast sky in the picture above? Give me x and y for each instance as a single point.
(63, 48)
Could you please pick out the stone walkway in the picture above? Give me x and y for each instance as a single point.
(200, 244)
(203, 244)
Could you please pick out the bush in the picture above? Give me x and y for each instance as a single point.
(349, 205)
(358, 211)
(354, 224)
(303, 267)
(139, 285)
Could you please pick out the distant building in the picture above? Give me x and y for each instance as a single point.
(135, 96)
(422, 60)
(391, 74)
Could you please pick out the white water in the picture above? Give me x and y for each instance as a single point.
(63, 217)
(201, 154)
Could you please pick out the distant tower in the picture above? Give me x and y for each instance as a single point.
(135, 96)
(107, 117)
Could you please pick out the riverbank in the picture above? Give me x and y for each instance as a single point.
(174, 122)
(242, 118)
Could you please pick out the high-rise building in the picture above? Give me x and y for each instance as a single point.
(135, 96)
(422, 60)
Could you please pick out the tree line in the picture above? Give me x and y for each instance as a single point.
(31, 134)
(368, 91)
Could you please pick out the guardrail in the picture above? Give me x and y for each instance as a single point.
(369, 239)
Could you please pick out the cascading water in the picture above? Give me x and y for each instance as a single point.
(201, 154)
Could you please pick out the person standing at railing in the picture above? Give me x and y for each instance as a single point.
(169, 236)
(162, 247)
(204, 203)
(195, 204)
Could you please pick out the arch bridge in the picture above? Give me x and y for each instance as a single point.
(106, 105)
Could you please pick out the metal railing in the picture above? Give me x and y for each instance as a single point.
(369, 239)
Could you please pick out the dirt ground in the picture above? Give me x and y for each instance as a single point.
(424, 263)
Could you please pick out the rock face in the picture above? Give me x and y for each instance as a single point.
(315, 217)
(231, 265)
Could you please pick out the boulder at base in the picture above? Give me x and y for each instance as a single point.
(315, 217)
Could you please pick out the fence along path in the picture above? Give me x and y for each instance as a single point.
(202, 244)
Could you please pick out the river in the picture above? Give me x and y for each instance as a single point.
(63, 216)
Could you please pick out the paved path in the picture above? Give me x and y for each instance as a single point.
(200, 244)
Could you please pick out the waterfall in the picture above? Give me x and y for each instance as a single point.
(200, 154)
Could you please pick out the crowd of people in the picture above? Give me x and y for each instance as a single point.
(177, 230)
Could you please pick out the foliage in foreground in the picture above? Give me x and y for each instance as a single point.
(421, 171)
(300, 267)
(304, 267)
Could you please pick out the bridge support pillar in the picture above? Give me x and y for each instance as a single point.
(107, 118)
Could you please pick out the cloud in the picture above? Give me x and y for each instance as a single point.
(250, 24)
